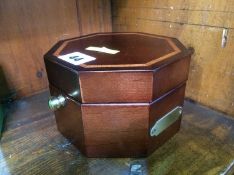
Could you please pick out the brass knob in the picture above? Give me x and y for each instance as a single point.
(55, 103)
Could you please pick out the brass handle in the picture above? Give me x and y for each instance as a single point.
(167, 120)
(55, 103)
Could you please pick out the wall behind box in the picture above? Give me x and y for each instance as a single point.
(29, 28)
(198, 24)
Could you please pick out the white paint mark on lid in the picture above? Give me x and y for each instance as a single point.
(102, 49)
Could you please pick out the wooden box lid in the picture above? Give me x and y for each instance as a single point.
(117, 67)
(120, 51)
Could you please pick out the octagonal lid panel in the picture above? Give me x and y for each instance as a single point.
(117, 51)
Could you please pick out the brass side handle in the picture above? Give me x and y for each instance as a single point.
(167, 120)
(55, 103)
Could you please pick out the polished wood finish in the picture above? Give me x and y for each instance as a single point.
(142, 71)
(68, 81)
(161, 107)
(137, 51)
(118, 97)
(69, 121)
(167, 77)
(141, 86)
(117, 129)
(29, 28)
(103, 87)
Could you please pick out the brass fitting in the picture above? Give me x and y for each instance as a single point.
(55, 103)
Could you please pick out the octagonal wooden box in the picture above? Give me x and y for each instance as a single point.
(118, 94)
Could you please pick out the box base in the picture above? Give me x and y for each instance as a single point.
(117, 129)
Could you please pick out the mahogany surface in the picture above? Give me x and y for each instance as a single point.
(69, 121)
(114, 101)
(110, 84)
(158, 109)
(168, 77)
(117, 130)
(104, 87)
(138, 51)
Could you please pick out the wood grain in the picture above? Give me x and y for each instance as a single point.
(70, 121)
(198, 24)
(102, 87)
(29, 28)
(161, 107)
(135, 49)
(119, 78)
(168, 77)
(117, 129)
(94, 16)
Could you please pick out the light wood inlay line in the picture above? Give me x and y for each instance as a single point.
(174, 47)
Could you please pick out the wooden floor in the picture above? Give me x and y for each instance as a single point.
(32, 145)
